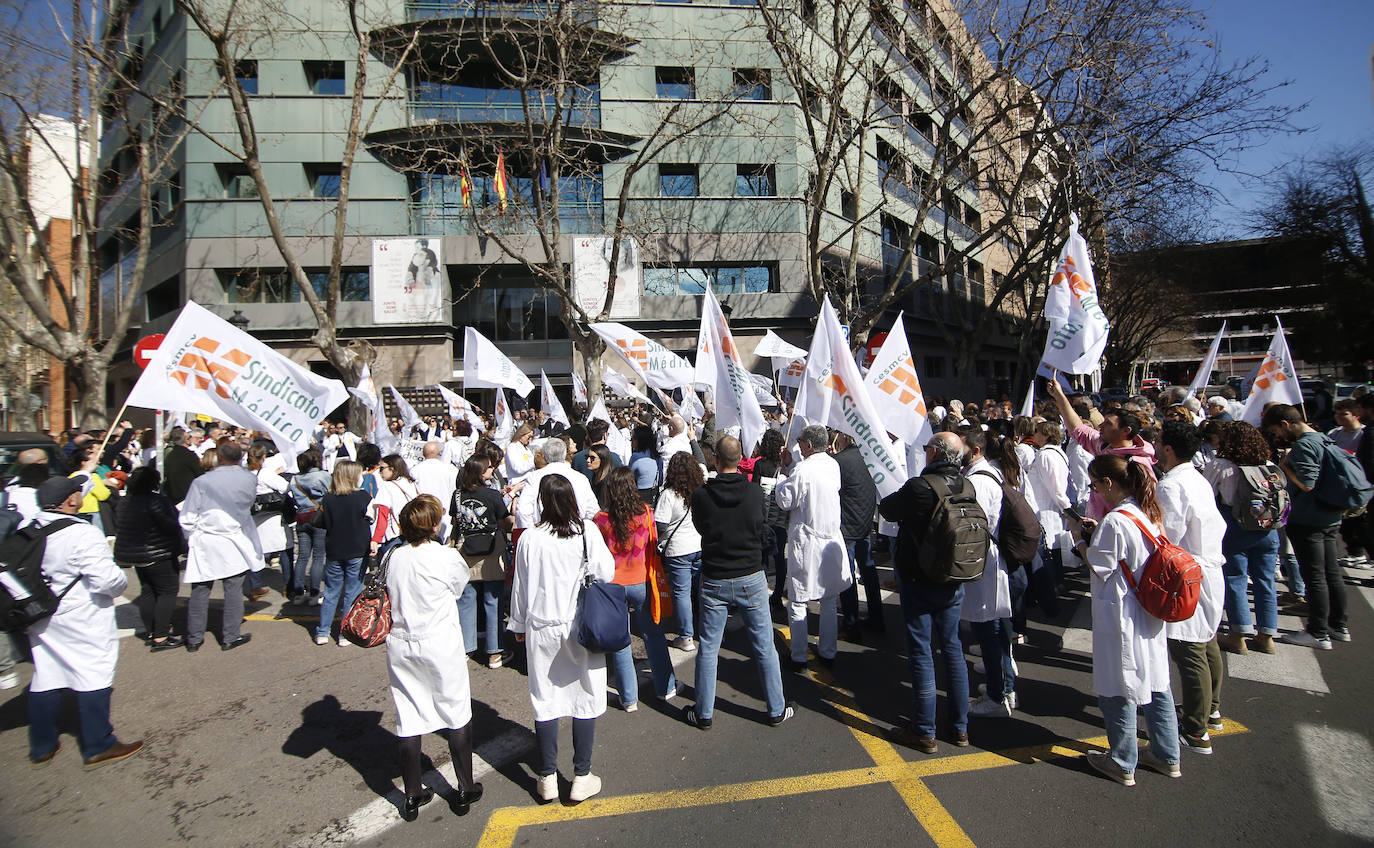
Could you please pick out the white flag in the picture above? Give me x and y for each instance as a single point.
(1275, 382)
(579, 390)
(616, 382)
(692, 409)
(485, 366)
(653, 363)
(668, 405)
(896, 390)
(1077, 326)
(763, 390)
(790, 371)
(834, 394)
(549, 402)
(773, 346)
(409, 417)
(719, 368)
(616, 442)
(207, 365)
(505, 422)
(458, 407)
(1204, 371)
(1028, 405)
(366, 391)
(598, 412)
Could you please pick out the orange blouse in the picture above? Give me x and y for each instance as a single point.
(631, 558)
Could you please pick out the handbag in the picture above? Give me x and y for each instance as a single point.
(603, 614)
(662, 546)
(368, 622)
(268, 501)
(659, 592)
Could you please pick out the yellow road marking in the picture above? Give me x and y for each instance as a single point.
(257, 616)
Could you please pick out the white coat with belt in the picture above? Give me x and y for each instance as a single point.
(817, 565)
(78, 646)
(271, 525)
(221, 537)
(424, 652)
(1193, 522)
(1130, 651)
(988, 597)
(565, 678)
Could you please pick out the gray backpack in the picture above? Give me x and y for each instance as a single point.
(955, 547)
(1262, 501)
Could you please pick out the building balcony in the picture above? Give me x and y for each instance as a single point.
(433, 219)
(443, 146)
(448, 111)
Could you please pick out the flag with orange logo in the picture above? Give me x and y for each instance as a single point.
(505, 422)
(835, 394)
(720, 369)
(579, 389)
(499, 180)
(655, 364)
(895, 388)
(209, 366)
(549, 402)
(1078, 327)
(1276, 381)
(791, 373)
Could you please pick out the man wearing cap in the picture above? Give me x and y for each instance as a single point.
(77, 647)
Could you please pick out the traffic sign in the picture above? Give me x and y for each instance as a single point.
(143, 351)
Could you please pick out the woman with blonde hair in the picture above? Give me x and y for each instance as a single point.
(425, 654)
(343, 514)
(1130, 648)
(519, 458)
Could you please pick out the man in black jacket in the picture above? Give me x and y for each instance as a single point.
(181, 467)
(858, 499)
(728, 513)
(931, 609)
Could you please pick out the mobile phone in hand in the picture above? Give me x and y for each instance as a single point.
(1071, 514)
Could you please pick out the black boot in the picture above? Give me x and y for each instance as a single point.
(465, 800)
(411, 810)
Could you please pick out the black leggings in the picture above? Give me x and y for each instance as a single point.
(459, 748)
(158, 597)
(584, 735)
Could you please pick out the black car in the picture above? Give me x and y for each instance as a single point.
(13, 444)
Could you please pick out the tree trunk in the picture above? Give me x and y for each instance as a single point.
(91, 374)
(591, 346)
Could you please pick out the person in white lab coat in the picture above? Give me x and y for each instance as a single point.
(425, 655)
(565, 678)
(1049, 480)
(271, 524)
(433, 476)
(1130, 651)
(817, 563)
(223, 545)
(519, 457)
(338, 444)
(528, 503)
(1193, 522)
(987, 600)
(77, 647)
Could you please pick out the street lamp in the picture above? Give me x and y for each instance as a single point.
(239, 320)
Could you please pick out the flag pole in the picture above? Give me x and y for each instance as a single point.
(109, 431)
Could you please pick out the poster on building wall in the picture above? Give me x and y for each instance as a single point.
(591, 271)
(408, 281)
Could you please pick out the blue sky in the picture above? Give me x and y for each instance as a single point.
(1323, 48)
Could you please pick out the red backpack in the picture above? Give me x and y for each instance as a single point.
(1171, 581)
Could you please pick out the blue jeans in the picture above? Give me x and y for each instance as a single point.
(748, 596)
(491, 591)
(863, 571)
(1257, 562)
(309, 552)
(932, 613)
(1288, 563)
(1161, 723)
(684, 575)
(340, 577)
(622, 662)
(97, 734)
(6, 654)
(995, 638)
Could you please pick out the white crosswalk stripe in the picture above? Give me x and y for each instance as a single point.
(1338, 763)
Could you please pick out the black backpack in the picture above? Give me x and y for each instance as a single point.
(955, 547)
(10, 517)
(1018, 528)
(25, 594)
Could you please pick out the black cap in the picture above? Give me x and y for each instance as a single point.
(54, 491)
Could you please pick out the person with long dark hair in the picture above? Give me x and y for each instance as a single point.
(645, 462)
(682, 549)
(600, 462)
(1130, 648)
(482, 520)
(396, 489)
(566, 680)
(627, 525)
(148, 537)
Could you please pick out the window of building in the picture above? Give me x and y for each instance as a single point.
(755, 181)
(157, 23)
(753, 84)
(675, 83)
(934, 367)
(163, 298)
(895, 231)
(325, 77)
(246, 74)
(677, 181)
(723, 279)
(237, 183)
(274, 285)
(849, 206)
(813, 101)
(982, 369)
(507, 313)
(325, 180)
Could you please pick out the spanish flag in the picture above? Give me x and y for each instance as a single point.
(465, 186)
(500, 179)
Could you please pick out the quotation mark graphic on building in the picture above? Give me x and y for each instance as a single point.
(903, 385)
(1270, 369)
(205, 366)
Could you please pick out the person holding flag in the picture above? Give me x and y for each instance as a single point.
(720, 369)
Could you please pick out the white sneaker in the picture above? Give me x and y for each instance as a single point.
(1340, 634)
(9, 681)
(548, 787)
(584, 786)
(986, 707)
(344, 643)
(321, 640)
(1148, 759)
(1303, 639)
(1012, 700)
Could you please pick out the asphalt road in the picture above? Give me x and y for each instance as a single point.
(283, 742)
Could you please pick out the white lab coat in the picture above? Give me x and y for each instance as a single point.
(988, 597)
(393, 494)
(817, 565)
(1025, 457)
(221, 536)
(1193, 522)
(329, 449)
(1130, 649)
(519, 462)
(438, 478)
(565, 678)
(527, 509)
(271, 525)
(425, 655)
(78, 646)
(1049, 479)
(1079, 458)
(458, 449)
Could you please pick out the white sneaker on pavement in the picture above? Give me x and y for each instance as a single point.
(548, 787)
(584, 786)
(1012, 700)
(986, 707)
(1303, 639)
(1148, 759)
(1104, 764)
(9, 681)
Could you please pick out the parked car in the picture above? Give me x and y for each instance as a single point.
(1350, 390)
(1155, 383)
(15, 443)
